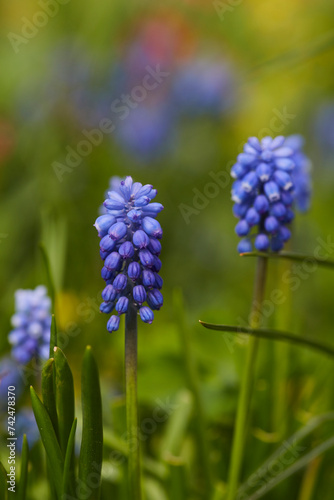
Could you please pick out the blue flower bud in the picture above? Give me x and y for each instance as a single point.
(242, 228)
(154, 246)
(284, 164)
(284, 233)
(264, 172)
(148, 278)
(245, 159)
(146, 258)
(272, 191)
(271, 224)
(287, 198)
(278, 210)
(238, 171)
(103, 223)
(245, 245)
(118, 231)
(238, 194)
(283, 152)
(289, 216)
(122, 305)
(106, 273)
(103, 255)
(135, 215)
(125, 187)
(126, 250)
(255, 143)
(155, 299)
(156, 264)
(153, 208)
(261, 204)
(252, 217)
(140, 239)
(139, 294)
(134, 271)
(261, 242)
(114, 203)
(152, 227)
(240, 209)
(113, 324)
(146, 314)
(249, 182)
(142, 201)
(144, 191)
(109, 294)
(158, 281)
(113, 262)
(107, 244)
(283, 179)
(107, 307)
(276, 243)
(120, 282)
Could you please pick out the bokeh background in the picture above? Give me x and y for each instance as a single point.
(232, 70)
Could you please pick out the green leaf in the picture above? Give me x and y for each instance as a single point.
(177, 425)
(295, 438)
(177, 483)
(91, 453)
(48, 395)
(49, 440)
(295, 467)
(64, 397)
(48, 274)
(308, 259)
(273, 335)
(3, 483)
(22, 488)
(53, 338)
(68, 478)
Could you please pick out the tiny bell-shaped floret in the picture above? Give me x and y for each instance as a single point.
(146, 314)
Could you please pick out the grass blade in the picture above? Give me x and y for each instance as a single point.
(68, 482)
(308, 259)
(53, 337)
(51, 286)
(273, 335)
(48, 395)
(91, 453)
(22, 488)
(64, 397)
(49, 440)
(177, 483)
(301, 463)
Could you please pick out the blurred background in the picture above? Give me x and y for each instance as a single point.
(168, 94)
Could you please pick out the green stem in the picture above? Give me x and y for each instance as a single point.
(247, 383)
(131, 403)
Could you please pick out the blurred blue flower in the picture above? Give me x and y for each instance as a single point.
(130, 249)
(324, 128)
(26, 424)
(202, 86)
(114, 183)
(30, 337)
(9, 376)
(263, 193)
(301, 174)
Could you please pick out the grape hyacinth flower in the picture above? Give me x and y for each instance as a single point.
(130, 249)
(30, 337)
(301, 174)
(263, 193)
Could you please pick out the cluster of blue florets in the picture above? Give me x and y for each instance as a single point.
(30, 337)
(271, 175)
(130, 249)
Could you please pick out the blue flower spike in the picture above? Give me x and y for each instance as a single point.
(272, 176)
(30, 337)
(130, 247)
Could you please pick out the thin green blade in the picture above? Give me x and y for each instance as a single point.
(68, 479)
(307, 259)
(3, 483)
(64, 397)
(53, 337)
(91, 453)
(49, 440)
(48, 395)
(51, 286)
(22, 488)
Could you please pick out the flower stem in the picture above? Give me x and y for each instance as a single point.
(247, 382)
(131, 403)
